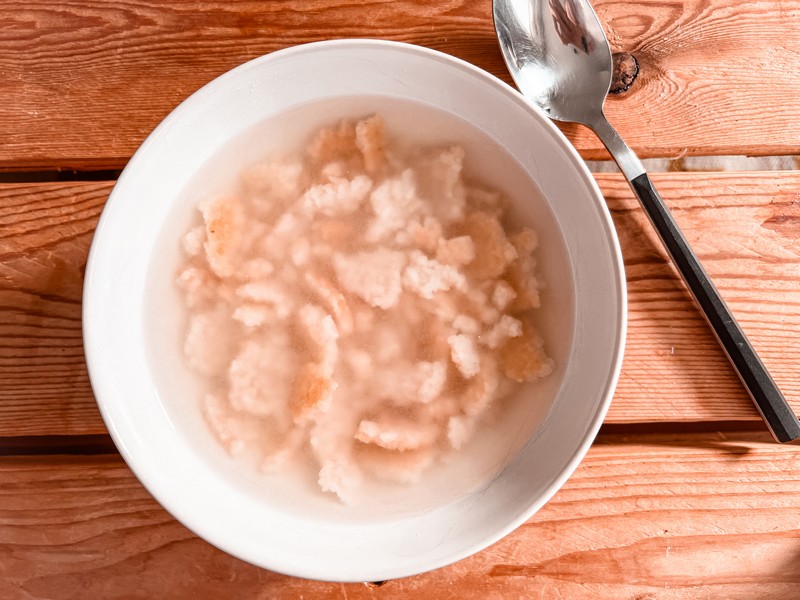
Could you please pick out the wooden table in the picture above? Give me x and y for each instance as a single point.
(683, 495)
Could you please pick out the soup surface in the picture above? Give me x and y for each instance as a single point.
(361, 304)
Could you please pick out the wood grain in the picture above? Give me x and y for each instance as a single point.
(45, 232)
(667, 517)
(744, 226)
(85, 81)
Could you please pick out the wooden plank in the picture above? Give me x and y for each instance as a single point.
(84, 82)
(698, 60)
(45, 233)
(668, 517)
(744, 226)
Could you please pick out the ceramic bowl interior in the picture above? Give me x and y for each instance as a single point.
(133, 325)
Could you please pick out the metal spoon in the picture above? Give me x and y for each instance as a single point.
(560, 59)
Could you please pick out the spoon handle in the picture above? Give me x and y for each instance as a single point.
(770, 402)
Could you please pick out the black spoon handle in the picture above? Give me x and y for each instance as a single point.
(775, 410)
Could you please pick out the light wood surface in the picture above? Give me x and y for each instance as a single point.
(667, 517)
(744, 226)
(84, 82)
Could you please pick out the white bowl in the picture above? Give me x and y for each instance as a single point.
(584, 302)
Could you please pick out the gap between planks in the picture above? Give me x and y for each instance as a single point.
(58, 175)
(100, 443)
(727, 164)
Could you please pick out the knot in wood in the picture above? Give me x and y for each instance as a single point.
(626, 68)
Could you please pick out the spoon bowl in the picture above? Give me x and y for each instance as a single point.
(558, 56)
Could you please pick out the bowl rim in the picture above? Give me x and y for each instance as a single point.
(92, 336)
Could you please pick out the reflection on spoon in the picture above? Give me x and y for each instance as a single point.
(568, 26)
